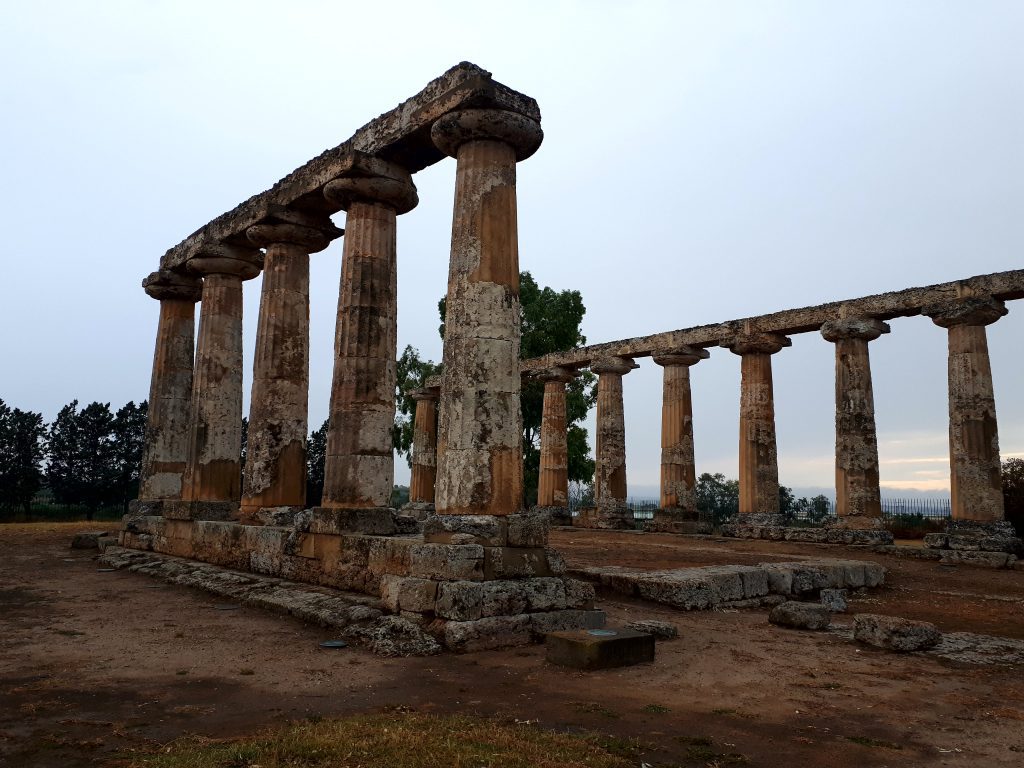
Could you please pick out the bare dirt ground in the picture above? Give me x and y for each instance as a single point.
(94, 666)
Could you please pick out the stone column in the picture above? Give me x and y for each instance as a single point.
(975, 471)
(480, 440)
(359, 467)
(610, 451)
(166, 447)
(274, 478)
(213, 475)
(553, 481)
(759, 460)
(858, 500)
(424, 451)
(678, 470)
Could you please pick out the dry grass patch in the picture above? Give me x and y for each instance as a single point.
(397, 741)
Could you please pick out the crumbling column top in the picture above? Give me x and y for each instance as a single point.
(748, 343)
(165, 284)
(372, 180)
(557, 373)
(424, 393)
(224, 259)
(619, 365)
(454, 129)
(866, 328)
(685, 355)
(314, 232)
(974, 310)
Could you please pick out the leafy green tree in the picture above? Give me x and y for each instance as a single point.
(412, 373)
(82, 460)
(814, 510)
(551, 323)
(717, 496)
(129, 438)
(787, 501)
(1013, 493)
(316, 459)
(22, 449)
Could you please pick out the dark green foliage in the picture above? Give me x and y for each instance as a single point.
(717, 497)
(22, 449)
(316, 457)
(129, 432)
(814, 511)
(82, 467)
(412, 373)
(1013, 493)
(787, 502)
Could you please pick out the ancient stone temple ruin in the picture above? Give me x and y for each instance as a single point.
(464, 561)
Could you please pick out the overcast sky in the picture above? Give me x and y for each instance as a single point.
(703, 161)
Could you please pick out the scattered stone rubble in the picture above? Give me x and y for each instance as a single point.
(799, 615)
(662, 630)
(895, 634)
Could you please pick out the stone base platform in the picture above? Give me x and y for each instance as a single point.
(599, 649)
(605, 519)
(487, 583)
(741, 586)
(815, 535)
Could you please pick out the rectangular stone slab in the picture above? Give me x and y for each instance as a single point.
(581, 649)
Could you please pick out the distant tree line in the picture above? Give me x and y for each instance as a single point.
(89, 457)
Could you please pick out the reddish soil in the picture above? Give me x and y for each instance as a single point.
(94, 666)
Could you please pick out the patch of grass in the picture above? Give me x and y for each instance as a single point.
(592, 708)
(397, 741)
(696, 741)
(656, 709)
(732, 712)
(864, 741)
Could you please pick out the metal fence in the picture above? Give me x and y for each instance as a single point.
(926, 507)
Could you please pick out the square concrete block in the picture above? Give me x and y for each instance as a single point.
(599, 648)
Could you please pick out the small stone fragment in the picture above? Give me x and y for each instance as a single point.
(894, 633)
(834, 599)
(800, 615)
(662, 630)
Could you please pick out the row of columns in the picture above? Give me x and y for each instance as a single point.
(976, 488)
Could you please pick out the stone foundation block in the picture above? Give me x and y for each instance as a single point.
(447, 562)
(687, 591)
(146, 508)
(486, 530)
(984, 559)
(565, 621)
(393, 556)
(400, 593)
(528, 529)
(583, 650)
(556, 515)
(504, 598)
(200, 510)
(407, 524)
(277, 516)
(834, 599)
(556, 563)
(484, 634)
(793, 578)
(459, 600)
(936, 540)
(579, 594)
(800, 615)
(662, 630)
(515, 562)
(375, 521)
(544, 594)
(895, 634)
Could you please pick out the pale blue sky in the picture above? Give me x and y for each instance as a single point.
(703, 162)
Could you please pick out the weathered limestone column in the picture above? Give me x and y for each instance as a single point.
(166, 448)
(759, 460)
(678, 469)
(274, 478)
(213, 476)
(553, 481)
(424, 451)
(975, 471)
(610, 451)
(858, 499)
(480, 451)
(359, 469)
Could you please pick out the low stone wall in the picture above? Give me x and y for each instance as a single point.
(810, 535)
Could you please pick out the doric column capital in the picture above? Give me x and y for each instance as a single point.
(866, 328)
(684, 355)
(368, 179)
(613, 364)
(752, 342)
(457, 128)
(556, 373)
(165, 284)
(982, 310)
(225, 259)
(425, 393)
(288, 226)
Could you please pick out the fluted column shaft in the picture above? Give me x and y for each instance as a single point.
(610, 449)
(678, 469)
(165, 451)
(480, 451)
(975, 470)
(424, 447)
(553, 480)
(215, 441)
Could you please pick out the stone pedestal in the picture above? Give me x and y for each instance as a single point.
(424, 452)
(275, 467)
(213, 474)
(165, 452)
(975, 471)
(759, 463)
(359, 468)
(610, 454)
(678, 470)
(858, 499)
(553, 481)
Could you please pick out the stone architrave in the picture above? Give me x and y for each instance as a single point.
(480, 451)
(678, 470)
(165, 450)
(975, 471)
(610, 449)
(213, 475)
(858, 498)
(424, 450)
(553, 479)
(275, 467)
(359, 466)
(759, 460)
